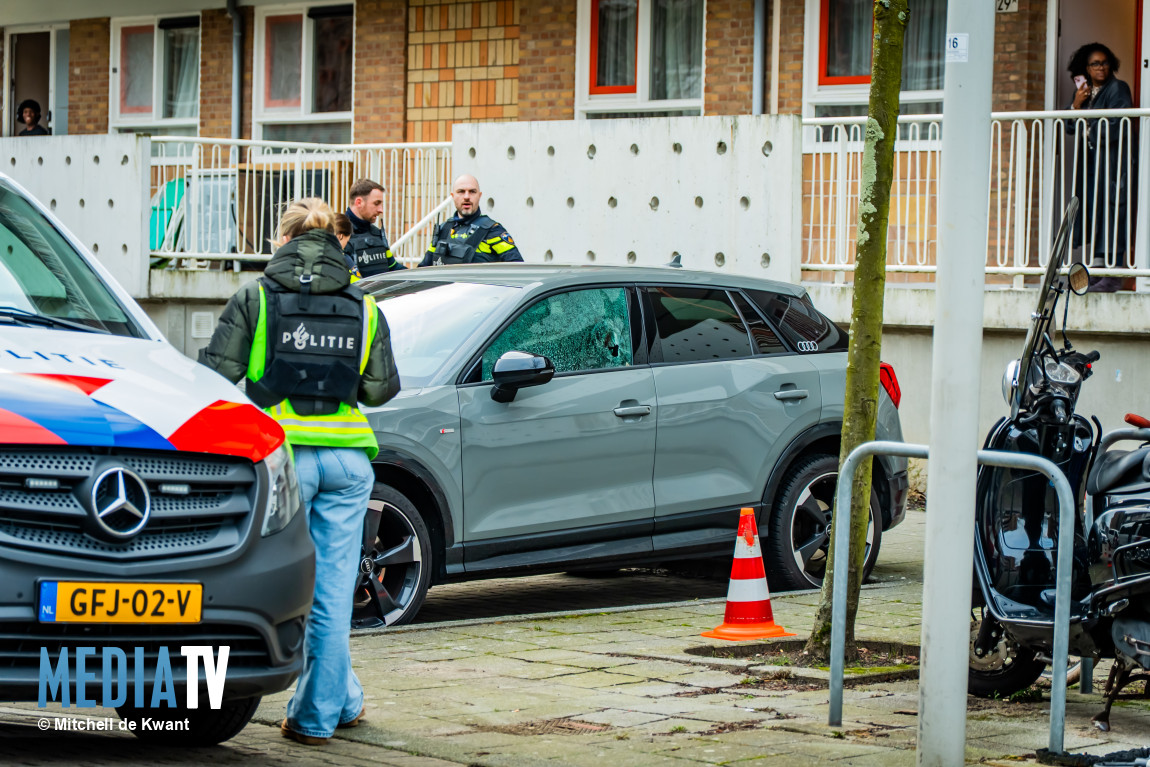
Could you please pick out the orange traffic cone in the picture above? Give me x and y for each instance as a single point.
(748, 613)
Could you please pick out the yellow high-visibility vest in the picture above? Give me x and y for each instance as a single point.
(347, 426)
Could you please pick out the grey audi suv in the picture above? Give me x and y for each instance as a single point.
(558, 418)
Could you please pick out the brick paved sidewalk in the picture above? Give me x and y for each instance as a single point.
(619, 687)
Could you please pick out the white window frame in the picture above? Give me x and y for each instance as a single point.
(816, 95)
(121, 122)
(262, 115)
(587, 104)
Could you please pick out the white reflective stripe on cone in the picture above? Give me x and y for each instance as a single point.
(748, 590)
(743, 551)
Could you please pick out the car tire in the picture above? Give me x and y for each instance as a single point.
(206, 726)
(799, 527)
(396, 562)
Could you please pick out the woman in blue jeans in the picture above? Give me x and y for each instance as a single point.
(313, 392)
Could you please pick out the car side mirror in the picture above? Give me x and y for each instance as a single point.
(515, 370)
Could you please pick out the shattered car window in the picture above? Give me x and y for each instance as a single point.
(579, 330)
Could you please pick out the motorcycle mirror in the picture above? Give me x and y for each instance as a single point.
(1079, 279)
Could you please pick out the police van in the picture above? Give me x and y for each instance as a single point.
(153, 557)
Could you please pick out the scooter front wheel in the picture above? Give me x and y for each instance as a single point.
(1005, 668)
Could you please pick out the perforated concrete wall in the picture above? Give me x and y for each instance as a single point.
(97, 185)
(723, 192)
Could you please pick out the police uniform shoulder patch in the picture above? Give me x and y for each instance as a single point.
(507, 238)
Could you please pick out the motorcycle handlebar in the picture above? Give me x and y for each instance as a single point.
(1093, 356)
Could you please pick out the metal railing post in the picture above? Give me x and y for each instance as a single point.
(1066, 510)
(842, 206)
(842, 541)
(1018, 140)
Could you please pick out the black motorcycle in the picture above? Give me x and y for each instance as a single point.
(1016, 523)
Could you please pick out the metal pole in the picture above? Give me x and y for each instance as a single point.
(955, 372)
(842, 533)
(1066, 509)
(775, 30)
(757, 57)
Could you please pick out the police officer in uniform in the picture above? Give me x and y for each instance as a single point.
(469, 237)
(310, 347)
(368, 252)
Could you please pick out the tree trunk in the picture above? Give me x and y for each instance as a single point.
(890, 21)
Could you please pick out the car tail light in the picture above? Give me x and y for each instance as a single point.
(889, 381)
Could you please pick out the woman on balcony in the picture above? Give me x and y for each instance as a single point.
(1103, 162)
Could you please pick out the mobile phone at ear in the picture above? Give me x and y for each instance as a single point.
(1079, 81)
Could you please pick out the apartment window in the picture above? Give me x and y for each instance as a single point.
(845, 29)
(614, 38)
(155, 73)
(642, 56)
(305, 72)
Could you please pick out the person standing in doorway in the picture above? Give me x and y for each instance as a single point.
(266, 337)
(368, 245)
(28, 115)
(1103, 154)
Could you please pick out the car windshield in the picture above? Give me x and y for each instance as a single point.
(45, 282)
(430, 320)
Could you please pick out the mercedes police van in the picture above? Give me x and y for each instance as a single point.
(149, 514)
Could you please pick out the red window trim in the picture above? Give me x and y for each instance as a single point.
(269, 102)
(824, 78)
(124, 108)
(592, 88)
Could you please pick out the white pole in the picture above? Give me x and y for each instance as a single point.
(955, 372)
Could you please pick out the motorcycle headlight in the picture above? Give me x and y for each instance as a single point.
(1010, 381)
(283, 491)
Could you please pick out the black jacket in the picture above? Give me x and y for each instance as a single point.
(1108, 143)
(490, 240)
(317, 253)
(367, 249)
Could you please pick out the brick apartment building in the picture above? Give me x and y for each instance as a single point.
(406, 70)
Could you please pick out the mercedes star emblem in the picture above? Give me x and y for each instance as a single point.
(120, 504)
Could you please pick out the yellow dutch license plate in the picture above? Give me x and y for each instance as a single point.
(96, 602)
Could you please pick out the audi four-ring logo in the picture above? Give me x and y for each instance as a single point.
(120, 504)
(808, 346)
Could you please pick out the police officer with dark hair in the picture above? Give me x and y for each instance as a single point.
(469, 237)
(310, 347)
(368, 252)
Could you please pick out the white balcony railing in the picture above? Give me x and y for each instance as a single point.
(1038, 161)
(218, 201)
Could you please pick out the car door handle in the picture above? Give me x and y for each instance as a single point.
(624, 412)
(789, 394)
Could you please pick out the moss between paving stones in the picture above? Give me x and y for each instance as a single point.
(794, 668)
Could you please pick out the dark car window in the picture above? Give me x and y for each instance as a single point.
(765, 339)
(805, 327)
(578, 330)
(695, 324)
(41, 273)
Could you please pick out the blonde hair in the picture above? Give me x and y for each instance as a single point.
(304, 215)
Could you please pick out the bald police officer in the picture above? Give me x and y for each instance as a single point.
(469, 237)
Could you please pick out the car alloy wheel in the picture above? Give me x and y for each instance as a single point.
(395, 567)
(800, 526)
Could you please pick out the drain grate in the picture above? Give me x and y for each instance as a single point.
(547, 727)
